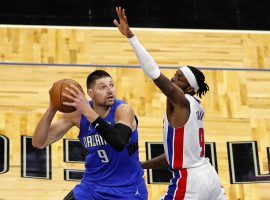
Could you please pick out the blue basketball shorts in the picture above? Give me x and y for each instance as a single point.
(91, 191)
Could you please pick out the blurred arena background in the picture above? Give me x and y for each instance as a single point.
(236, 62)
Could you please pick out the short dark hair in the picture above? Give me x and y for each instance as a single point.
(203, 86)
(95, 75)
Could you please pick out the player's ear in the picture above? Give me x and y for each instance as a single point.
(190, 90)
(90, 92)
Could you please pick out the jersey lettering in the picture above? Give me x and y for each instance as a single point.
(94, 141)
(200, 115)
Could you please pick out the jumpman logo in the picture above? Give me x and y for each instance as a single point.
(137, 192)
(97, 124)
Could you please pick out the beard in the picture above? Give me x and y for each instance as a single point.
(109, 101)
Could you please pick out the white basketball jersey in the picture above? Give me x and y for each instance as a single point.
(184, 146)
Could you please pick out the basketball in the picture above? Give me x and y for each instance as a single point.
(57, 98)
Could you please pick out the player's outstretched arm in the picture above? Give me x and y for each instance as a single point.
(148, 64)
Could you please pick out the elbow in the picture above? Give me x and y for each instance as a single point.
(38, 145)
(120, 146)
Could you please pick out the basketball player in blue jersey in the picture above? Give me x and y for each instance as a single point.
(194, 178)
(108, 130)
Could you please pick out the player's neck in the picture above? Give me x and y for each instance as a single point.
(102, 111)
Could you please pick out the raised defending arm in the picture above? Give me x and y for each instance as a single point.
(148, 64)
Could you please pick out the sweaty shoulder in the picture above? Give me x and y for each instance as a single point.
(124, 114)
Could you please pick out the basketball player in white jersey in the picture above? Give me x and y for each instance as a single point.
(194, 178)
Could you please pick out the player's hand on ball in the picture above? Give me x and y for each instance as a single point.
(77, 98)
(56, 97)
(51, 106)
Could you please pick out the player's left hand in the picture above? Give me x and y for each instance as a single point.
(78, 99)
(122, 25)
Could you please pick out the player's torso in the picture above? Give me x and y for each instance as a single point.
(104, 164)
(184, 146)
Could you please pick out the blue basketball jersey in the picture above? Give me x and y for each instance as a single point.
(104, 165)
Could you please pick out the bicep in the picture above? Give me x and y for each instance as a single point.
(175, 94)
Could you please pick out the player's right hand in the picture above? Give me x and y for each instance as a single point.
(50, 101)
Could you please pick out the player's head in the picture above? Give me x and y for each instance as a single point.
(191, 80)
(100, 88)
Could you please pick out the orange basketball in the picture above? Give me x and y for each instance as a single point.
(57, 98)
